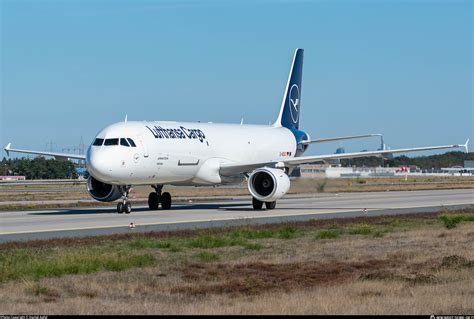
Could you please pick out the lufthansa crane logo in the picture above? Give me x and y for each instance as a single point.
(294, 101)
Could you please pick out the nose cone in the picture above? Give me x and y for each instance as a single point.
(98, 165)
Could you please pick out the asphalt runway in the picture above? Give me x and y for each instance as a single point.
(73, 222)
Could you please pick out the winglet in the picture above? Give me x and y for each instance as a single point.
(466, 146)
(7, 149)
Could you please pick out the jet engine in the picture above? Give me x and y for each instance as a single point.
(268, 184)
(101, 191)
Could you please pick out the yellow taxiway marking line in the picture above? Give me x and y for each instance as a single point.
(176, 222)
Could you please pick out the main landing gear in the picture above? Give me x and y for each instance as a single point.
(124, 206)
(156, 197)
(257, 204)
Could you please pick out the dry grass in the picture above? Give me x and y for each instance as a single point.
(419, 267)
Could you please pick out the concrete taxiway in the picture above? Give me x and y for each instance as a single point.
(72, 222)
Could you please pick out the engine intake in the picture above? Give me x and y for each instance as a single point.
(268, 184)
(102, 192)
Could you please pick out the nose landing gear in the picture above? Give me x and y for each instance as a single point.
(124, 206)
(156, 197)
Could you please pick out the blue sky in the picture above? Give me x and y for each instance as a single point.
(402, 68)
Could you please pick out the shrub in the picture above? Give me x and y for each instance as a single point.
(451, 221)
(379, 233)
(322, 185)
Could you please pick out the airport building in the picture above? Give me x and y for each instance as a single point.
(12, 178)
(468, 164)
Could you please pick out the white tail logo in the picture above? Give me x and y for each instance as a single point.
(294, 98)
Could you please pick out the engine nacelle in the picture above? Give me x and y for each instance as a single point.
(101, 191)
(268, 184)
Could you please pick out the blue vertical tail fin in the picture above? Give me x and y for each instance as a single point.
(289, 116)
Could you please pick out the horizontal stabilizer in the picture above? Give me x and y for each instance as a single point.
(333, 139)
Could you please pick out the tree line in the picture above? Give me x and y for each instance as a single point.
(38, 168)
(448, 159)
(41, 168)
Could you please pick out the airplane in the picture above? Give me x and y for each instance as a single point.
(158, 153)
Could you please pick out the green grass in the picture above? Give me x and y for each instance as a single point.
(253, 246)
(208, 242)
(360, 229)
(288, 232)
(395, 222)
(172, 245)
(248, 233)
(205, 256)
(144, 243)
(27, 263)
(328, 234)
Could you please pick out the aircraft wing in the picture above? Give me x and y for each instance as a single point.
(322, 140)
(228, 169)
(58, 156)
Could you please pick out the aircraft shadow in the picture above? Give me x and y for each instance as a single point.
(180, 207)
(112, 210)
(306, 208)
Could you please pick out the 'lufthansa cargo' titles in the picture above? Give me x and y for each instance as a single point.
(180, 133)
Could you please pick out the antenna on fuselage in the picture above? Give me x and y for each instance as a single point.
(241, 121)
(126, 117)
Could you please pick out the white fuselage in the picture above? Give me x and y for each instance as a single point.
(183, 153)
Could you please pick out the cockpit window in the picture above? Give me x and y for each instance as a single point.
(132, 143)
(111, 141)
(124, 142)
(98, 142)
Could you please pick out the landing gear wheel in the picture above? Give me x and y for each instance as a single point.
(127, 208)
(257, 205)
(166, 200)
(124, 206)
(153, 201)
(120, 208)
(270, 205)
